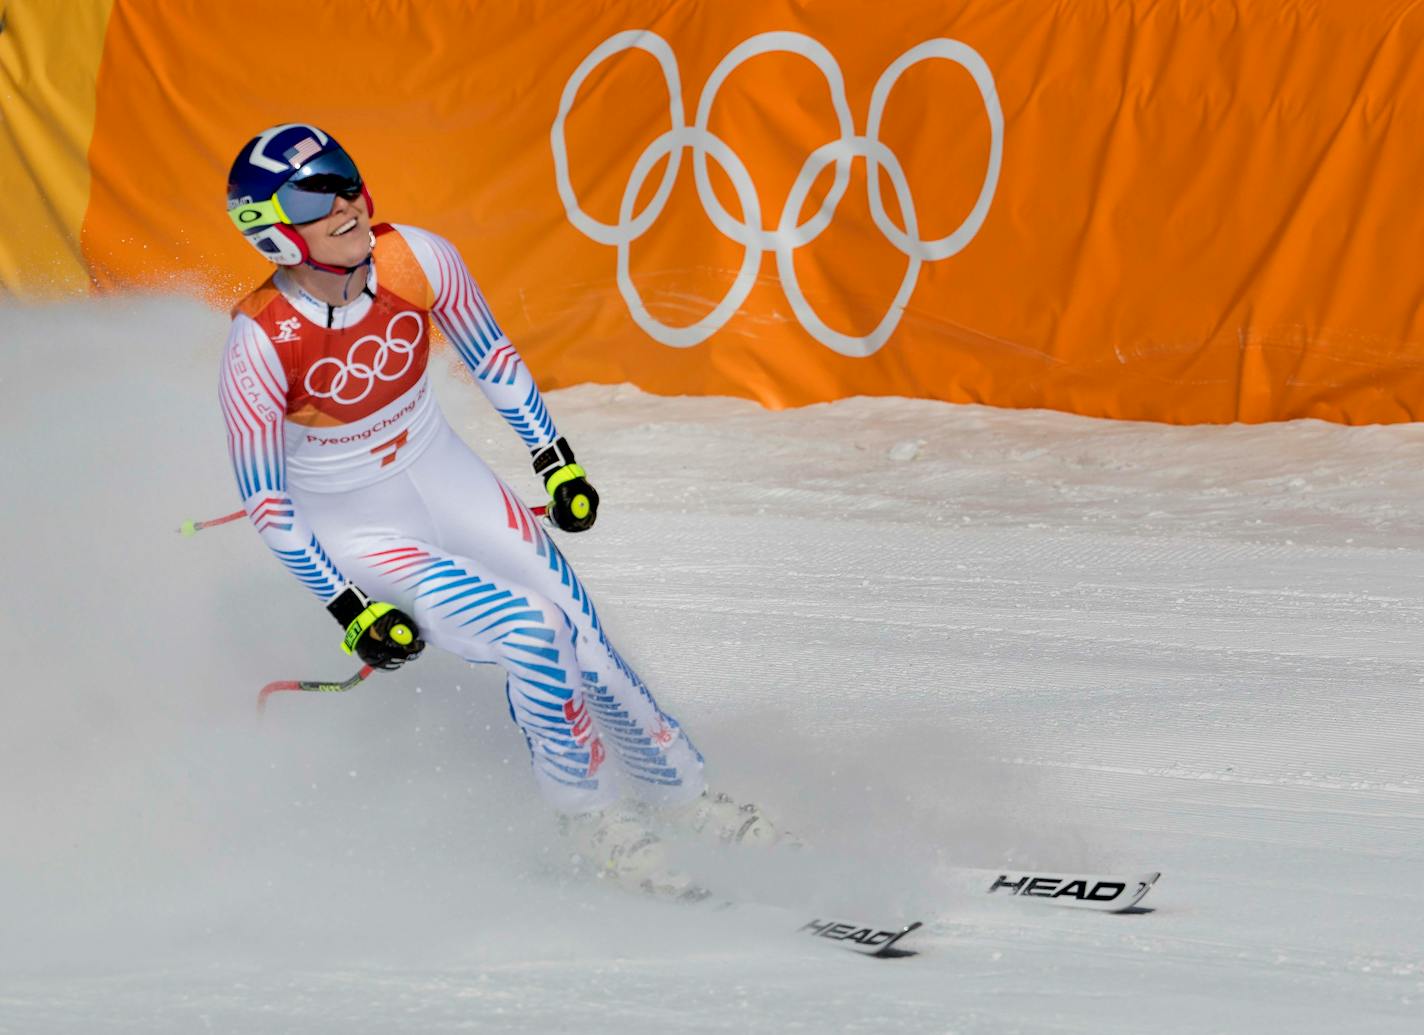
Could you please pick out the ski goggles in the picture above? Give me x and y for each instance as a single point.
(308, 195)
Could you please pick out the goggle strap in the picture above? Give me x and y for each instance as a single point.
(256, 214)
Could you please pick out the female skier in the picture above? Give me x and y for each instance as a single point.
(353, 478)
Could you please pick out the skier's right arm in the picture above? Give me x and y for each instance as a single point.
(253, 393)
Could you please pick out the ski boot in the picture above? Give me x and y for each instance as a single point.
(716, 817)
(619, 845)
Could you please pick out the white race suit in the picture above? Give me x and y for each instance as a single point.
(351, 475)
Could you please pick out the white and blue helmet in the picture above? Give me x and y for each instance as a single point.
(292, 173)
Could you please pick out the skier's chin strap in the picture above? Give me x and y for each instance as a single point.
(344, 271)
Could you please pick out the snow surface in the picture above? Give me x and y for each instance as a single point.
(925, 636)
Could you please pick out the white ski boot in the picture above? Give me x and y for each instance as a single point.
(618, 844)
(718, 818)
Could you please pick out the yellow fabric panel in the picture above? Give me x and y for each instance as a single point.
(49, 63)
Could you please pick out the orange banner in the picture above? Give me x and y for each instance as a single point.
(1201, 212)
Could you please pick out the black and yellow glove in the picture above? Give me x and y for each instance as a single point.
(573, 503)
(380, 634)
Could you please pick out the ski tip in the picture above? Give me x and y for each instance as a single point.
(892, 951)
(188, 528)
(1146, 882)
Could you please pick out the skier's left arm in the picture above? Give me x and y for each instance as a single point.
(464, 317)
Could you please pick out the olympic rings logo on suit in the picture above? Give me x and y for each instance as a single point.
(351, 371)
(789, 235)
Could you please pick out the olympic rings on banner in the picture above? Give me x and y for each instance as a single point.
(367, 374)
(789, 235)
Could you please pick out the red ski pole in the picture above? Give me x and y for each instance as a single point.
(189, 528)
(313, 685)
(193, 527)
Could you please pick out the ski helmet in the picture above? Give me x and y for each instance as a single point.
(289, 174)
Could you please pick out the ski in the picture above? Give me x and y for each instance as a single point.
(880, 943)
(1105, 893)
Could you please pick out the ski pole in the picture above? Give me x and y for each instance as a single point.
(194, 527)
(314, 685)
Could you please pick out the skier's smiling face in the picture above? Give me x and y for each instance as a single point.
(343, 236)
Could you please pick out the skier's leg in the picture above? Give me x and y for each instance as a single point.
(479, 516)
(463, 608)
(482, 617)
(652, 750)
